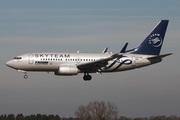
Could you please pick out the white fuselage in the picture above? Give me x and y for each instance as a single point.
(51, 61)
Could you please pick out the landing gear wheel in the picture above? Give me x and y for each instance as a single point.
(87, 77)
(25, 76)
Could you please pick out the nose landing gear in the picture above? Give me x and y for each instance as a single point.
(25, 76)
(25, 72)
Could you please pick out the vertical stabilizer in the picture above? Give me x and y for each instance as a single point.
(153, 42)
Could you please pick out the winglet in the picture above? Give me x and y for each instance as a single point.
(105, 50)
(123, 50)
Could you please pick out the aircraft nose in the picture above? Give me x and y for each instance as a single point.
(9, 63)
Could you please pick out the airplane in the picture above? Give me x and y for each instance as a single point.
(67, 64)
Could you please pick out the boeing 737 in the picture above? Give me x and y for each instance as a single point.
(66, 64)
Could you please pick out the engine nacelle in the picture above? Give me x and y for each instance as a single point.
(67, 69)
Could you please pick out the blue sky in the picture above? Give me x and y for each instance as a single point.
(88, 26)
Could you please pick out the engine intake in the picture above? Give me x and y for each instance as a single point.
(67, 69)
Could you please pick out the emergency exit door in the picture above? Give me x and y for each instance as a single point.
(30, 58)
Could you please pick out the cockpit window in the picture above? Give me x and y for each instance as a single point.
(17, 58)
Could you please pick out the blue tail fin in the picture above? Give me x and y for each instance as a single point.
(153, 42)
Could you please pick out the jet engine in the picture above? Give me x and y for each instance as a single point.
(67, 69)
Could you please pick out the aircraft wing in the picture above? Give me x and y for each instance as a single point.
(97, 65)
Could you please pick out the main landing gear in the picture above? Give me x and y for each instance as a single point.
(87, 77)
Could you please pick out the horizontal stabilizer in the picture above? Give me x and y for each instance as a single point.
(160, 56)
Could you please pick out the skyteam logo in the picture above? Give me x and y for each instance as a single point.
(155, 40)
(124, 61)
